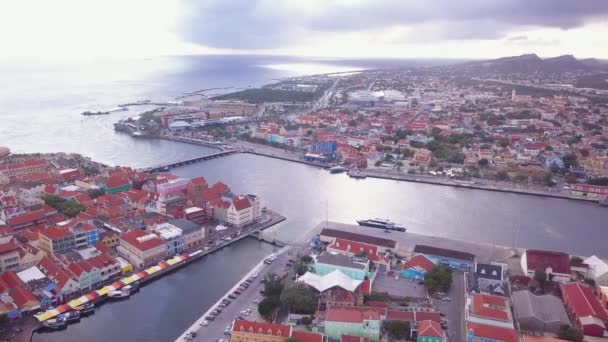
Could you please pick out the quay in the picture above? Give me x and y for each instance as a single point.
(156, 271)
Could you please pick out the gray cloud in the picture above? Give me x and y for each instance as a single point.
(245, 24)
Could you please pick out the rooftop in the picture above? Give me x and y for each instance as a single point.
(340, 260)
(447, 253)
(372, 240)
(582, 301)
(142, 240)
(541, 260)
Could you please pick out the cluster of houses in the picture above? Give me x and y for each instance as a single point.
(126, 220)
(503, 302)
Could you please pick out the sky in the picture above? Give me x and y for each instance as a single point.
(70, 30)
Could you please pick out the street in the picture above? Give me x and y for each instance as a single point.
(454, 309)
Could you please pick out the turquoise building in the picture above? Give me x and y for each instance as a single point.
(354, 268)
(352, 322)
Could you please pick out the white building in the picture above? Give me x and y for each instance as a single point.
(598, 270)
(244, 210)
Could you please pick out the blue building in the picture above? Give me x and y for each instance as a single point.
(416, 267)
(447, 257)
(92, 236)
(325, 147)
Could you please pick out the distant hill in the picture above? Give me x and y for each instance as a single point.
(532, 63)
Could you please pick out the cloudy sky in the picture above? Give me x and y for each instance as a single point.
(87, 29)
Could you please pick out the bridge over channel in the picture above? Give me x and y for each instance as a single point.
(168, 166)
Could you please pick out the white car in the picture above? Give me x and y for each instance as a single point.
(204, 323)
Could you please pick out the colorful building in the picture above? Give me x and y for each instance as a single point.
(430, 331)
(355, 268)
(340, 322)
(141, 248)
(416, 267)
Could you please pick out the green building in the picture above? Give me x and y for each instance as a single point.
(352, 322)
(429, 331)
(114, 185)
(328, 262)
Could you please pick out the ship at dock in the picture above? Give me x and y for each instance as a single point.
(381, 224)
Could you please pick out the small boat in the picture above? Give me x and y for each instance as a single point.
(603, 202)
(132, 288)
(381, 224)
(337, 169)
(70, 317)
(55, 324)
(86, 309)
(356, 174)
(95, 113)
(122, 294)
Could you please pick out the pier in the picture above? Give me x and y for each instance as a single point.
(167, 167)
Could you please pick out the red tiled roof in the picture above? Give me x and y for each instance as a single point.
(365, 287)
(11, 279)
(198, 181)
(27, 218)
(377, 304)
(21, 297)
(144, 245)
(55, 233)
(420, 261)
(354, 247)
(582, 302)
(426, 316)
(541, 260)
(255, 327)
(3, 286)
(117, 181)
(306, 336)
(346, 316)
(8, 247)
(489, 306)
(54, 272)
(241, 203)
(492, 332)
(429, 329)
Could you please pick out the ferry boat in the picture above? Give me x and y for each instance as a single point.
(356, 174)
(86, 309)
(381, 224)
(337, 169)
(55, 324)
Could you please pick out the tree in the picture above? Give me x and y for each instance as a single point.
(569, 333)
(398, 330)
(439, 279)
(584, 152)
(307, 320)
(483, 162)
(300, 268)
(576, 260)
(407, 153)
(69, 208)
(352, 123)
(503, 142)
(300, 299)
(268, 305)
(309, 132)
(307, 259)
(273, 285)
(540, 276)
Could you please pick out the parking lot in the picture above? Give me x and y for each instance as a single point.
(213, 330)
(397, 286)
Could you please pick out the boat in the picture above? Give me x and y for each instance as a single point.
(122, 294)
(132, 288)
(603, 202)
(55, 324)
(86, 309)
(70, 317)
(337, 169)
(381, 224)
(356, 174)
(95, 113)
